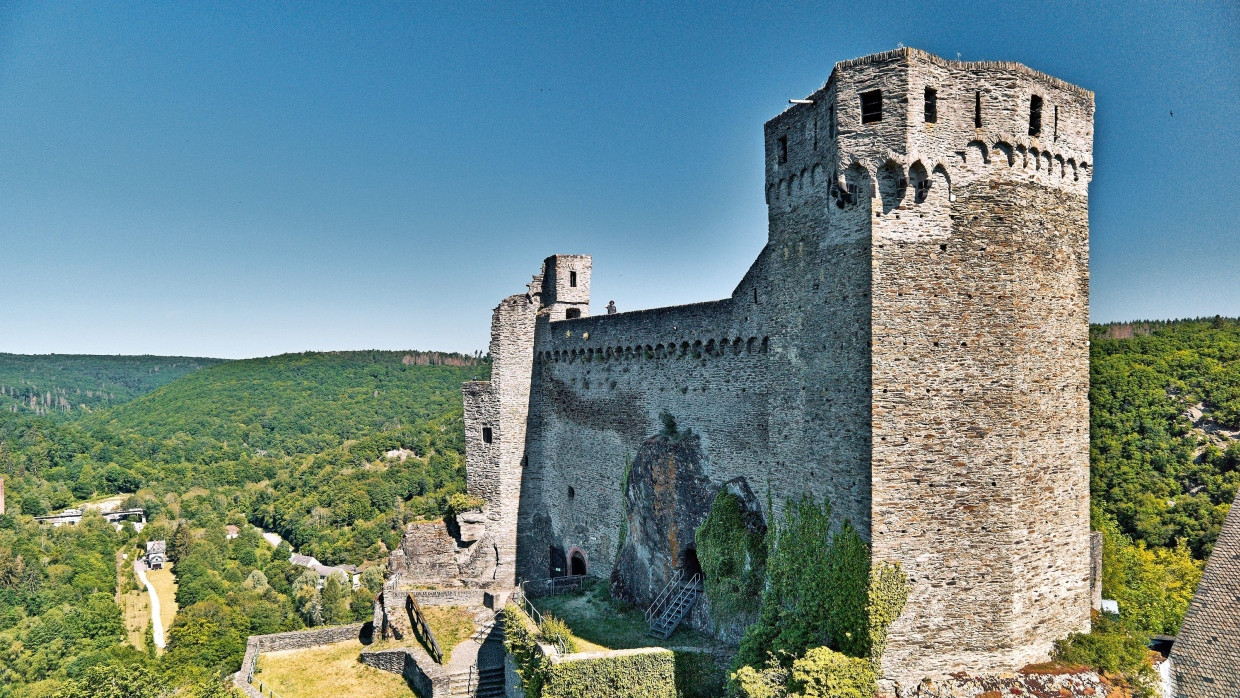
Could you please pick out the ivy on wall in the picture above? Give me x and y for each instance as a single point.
(816, 591)
(731, 547)
(823, 609)
(889, 589)
(521, 641)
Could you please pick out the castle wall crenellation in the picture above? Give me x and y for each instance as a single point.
(910, 345)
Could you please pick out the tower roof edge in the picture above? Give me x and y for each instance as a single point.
(910, 54)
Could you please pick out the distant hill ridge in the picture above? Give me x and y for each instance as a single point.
(71, 384)
(297, 403)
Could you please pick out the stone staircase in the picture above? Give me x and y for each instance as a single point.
(673, 604)
(485, 683)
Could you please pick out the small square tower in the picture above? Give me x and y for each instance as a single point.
(566, 286)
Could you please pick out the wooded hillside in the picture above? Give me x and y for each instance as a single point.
(66, 384)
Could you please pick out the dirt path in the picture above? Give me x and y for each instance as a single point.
(157, 627)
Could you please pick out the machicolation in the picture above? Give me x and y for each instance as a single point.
(911, 344)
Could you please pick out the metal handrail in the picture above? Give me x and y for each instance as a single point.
(665, 596)
(528, 606)
(421, 627)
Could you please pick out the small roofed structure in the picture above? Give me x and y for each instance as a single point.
(1205, 659)
(350, 572)
(156, 554)
(231, 531)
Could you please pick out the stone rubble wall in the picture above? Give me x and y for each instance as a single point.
(428, 679)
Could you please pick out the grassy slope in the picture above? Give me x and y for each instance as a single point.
(337, 672)
(72, 384)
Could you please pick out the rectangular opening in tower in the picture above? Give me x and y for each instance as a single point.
(783, 149)
(977, 109)
(932, 105)
(572, 279)
(486, 435)
(1035, 115)
(871, 106)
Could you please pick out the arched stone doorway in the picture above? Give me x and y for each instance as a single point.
(577, 563)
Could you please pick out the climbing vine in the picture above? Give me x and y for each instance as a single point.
(825, 612)
(888, 593)
(731, 547)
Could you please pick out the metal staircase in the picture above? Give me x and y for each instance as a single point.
(673, 604)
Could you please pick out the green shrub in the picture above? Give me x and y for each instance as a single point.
(823, 673)
(556, 632)
(771, 682)
(1111, 647)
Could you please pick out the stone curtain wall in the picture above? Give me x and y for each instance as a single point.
(912, 347)
(296, 640)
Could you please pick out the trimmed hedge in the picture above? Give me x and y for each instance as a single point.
(646, 675)
(624, 674)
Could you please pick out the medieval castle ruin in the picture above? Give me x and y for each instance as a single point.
(911, 345)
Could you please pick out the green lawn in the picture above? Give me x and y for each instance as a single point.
(330, 670)
(608, 623)
(450, 624)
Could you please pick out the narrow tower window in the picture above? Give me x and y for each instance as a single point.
(783, 149)
(932, 105)
(572, 279)
(1035, 115)
(977, 109)
(831, 132)
(486, 435)
(871, 106)
(1056, 122)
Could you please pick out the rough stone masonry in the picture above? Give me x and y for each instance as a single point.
(911, 344)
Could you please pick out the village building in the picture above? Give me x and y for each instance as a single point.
(156, 554)
(350, 572)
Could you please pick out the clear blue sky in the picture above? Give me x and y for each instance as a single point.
(253, 178)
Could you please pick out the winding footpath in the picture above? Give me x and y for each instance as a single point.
(157, 628)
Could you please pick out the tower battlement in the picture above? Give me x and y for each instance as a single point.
(911, 344)
(907, 129)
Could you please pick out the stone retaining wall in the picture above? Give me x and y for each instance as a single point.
(428, 679)
(454, 597)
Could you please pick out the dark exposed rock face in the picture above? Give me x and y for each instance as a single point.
(667, 497)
